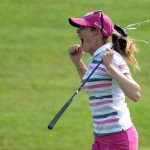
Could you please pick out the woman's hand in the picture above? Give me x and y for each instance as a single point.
(107, 57)
(75, 53)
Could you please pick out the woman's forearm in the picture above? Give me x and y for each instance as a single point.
(126, 83)
(81, 68)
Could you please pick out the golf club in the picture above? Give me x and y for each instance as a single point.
(61, 111)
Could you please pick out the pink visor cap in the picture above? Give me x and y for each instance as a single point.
(96, 19)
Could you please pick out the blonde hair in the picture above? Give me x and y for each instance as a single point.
(126, 47)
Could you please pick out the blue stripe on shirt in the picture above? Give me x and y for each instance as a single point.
(100, 97)
(106, 115)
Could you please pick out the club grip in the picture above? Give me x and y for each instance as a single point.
(58, 115)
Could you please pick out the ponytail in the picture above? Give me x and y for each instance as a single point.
(126, 47)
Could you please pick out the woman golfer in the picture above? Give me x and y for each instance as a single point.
(111, 81)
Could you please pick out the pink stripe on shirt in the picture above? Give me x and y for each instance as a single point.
(99, 68)
(107, 121)
(101, 103)
(97, 86)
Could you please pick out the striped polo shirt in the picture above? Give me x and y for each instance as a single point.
(106, 99)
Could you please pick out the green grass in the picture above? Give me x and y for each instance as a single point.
(37, 76)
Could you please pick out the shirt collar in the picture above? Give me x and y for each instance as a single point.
(101, 49)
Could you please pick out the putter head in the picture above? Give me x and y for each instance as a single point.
(120, 30)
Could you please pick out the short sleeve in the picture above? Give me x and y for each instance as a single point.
(120, 63)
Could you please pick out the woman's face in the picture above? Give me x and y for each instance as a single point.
(87, 41)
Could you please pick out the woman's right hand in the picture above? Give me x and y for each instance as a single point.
(75, 53)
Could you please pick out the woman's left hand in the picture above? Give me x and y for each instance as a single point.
(107, 57)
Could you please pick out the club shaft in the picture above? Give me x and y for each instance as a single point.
(58, 115)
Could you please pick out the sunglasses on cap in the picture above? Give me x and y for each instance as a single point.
(101, 18)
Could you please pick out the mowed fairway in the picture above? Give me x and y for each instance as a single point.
(37, 76)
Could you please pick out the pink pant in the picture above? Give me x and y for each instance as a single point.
(124, 140)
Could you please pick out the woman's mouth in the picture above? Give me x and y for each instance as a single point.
(81, 40)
